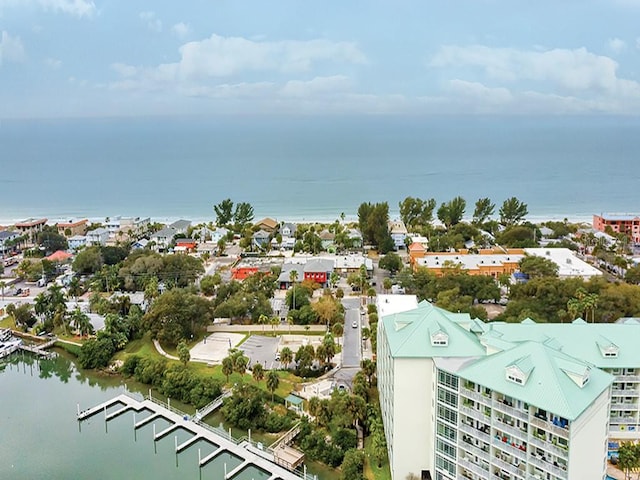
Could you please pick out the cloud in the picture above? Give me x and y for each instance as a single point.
(53, 63)
(219, 56)
(77, 8)
(573, 71)
(11, 49)
(151, 20)
(316, 86)
(616, 45)
(181, 29)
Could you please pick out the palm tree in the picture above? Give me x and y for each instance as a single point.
(81, 322)
(274, 321)
(258, 372)
(273, 381)
(286, 356)
(2, 287)
(263, 320)
(293, 276)
(337, 330)
(227, 367)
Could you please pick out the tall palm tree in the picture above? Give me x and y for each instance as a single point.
(293, 276)
(263, 320)
(286, 356)
(2, 287)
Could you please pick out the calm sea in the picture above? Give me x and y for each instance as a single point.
(315, 168)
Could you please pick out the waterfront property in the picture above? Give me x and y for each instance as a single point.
(461, 398)
(627, 224)
(254, 460)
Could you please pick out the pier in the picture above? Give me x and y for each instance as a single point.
(250, 454)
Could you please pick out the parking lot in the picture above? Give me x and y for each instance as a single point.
(261, 350)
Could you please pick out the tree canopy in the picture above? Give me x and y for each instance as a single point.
(373, 220)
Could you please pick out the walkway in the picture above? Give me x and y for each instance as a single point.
(251, 453)
(161, 351)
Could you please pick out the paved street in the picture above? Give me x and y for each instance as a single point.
(351, 351)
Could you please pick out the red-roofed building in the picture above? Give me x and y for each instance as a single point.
(185, 245)
(59, 256)
(416, 250)
(69, 229)
(242, 272)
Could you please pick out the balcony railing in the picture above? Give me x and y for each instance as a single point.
(549, 447)
(550, 427)
(624, 406)
(474, 432)
(627, 378)
(623, 420)
(507, 467)
(477, 451)
(514, 412)
(510, 449)
(475, 413)
(473, 467)
(549, 467)
(615, 392)
(515, 431)
(478, 397)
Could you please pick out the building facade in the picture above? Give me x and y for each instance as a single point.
(465, 399)
(627, 224)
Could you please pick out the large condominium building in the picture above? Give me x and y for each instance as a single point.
(461, 398)
(628, 224)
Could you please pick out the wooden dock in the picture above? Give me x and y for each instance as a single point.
(252, 454)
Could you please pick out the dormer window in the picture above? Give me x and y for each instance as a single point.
(519, 371)
(513, 374)
(607, 348)
(439, 339)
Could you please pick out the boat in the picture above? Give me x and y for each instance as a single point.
(8, 343)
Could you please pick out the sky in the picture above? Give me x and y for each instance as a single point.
(69, 58)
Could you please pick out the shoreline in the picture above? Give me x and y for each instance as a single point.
(296, 219)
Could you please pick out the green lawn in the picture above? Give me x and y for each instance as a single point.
(7, 322)
(371, 470)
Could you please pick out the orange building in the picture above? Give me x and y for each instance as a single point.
(628, 224)
(242, 272)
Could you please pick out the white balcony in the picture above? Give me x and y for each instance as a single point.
(507, 428)
(629, 406)
(507, 467)
(514, 412)
(618, 392)
(474, 432)
(550, 427)
(473, 467)
(623, 421)
(474, 450)
(475, 413)
(549, 447)
(627, 378)
(549, 467)
(510, 449)
(478, 397)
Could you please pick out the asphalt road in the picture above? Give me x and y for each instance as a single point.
(351, 348)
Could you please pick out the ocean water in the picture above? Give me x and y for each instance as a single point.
(302, 168)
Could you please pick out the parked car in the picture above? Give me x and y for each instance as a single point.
(354, 324)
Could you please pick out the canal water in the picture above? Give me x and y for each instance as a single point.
(41, 438)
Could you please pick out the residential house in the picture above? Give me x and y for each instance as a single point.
(288, 230)
(140, 244)
(327, 239)
(355, 238)
(163, 238)
(398, 232)
(71, 228)
(132, 225)
(218, 234)
(261, 238)
(627, 224)
(31, 227)
(267, 224)
(284, 280)
(5, 237)
(76, 242)
(318, 270)
(503, 401)
(99, 236)
(186, 245)
(416, 250)
(181, 226)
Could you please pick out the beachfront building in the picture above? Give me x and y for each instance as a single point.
(163, 238)
(181, 226)
(72, 227)
(31, 227)
(268, 224)
(398, 232)
(627, 224)
(461, 398)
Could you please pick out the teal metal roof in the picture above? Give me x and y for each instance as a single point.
(551, 378)
(586, 341)
(409, 334)
(292, 399)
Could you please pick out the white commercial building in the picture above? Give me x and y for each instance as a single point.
(461, 398)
